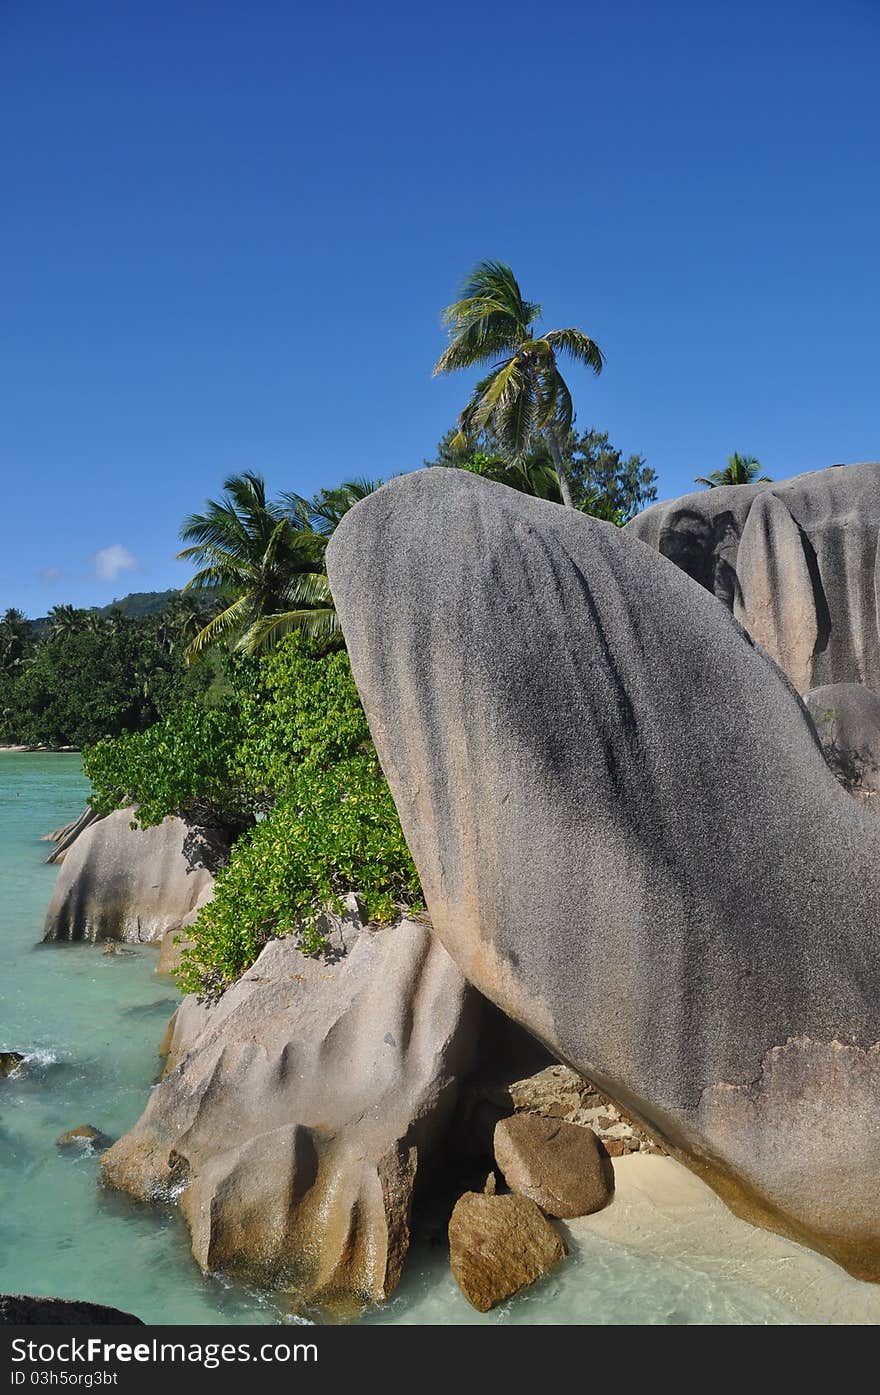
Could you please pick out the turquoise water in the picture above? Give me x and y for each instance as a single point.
(89, 1024)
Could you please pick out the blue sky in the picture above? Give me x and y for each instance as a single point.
(228, 230)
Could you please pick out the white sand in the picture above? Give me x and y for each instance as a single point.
(661, 1209)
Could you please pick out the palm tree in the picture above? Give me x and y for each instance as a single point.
(740, 469)
(524, 397)
(325, 511)
(314, 610)
(260, 558)
(15, 640)
(65, 620)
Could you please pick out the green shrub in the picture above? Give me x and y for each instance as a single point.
(336, 830)
(187, 764)
(303, 710)
(289, 758)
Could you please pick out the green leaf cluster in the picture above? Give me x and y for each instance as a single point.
(335, 830)
(286, 765)
(187, 764)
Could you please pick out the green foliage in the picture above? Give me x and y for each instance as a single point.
(288, 758)
(523, 399)
(83, 684)
(603, 482)
(740, 469)
(187, 764)
(302, 710)
(264, 560)
(79, 675)
(335, 830)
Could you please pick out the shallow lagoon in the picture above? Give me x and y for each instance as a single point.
(90, 1024)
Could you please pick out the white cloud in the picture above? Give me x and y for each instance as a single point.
(110, 561)
(50, 574)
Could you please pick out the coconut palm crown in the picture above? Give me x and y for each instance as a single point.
(740, 469)
(265, 558)
(524, 396)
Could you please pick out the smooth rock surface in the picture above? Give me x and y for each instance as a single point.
(797, 561)
(557, 1165)
(20, 1310)
(498, 1245)
(574, 733)
(130, 884)
(297, 1112)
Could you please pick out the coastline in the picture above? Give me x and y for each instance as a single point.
(40, 750)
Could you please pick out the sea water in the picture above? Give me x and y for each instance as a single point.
(89, 1024)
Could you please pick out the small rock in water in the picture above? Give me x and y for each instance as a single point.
(83, 1136)
(17, 1309)
(114, 947)
(557, 1165)
(9, 1061)
(498, 1245)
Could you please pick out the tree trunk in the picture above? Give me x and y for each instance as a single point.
(559, 466)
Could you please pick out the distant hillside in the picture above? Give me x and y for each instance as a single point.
(140, 603)
(136, 604)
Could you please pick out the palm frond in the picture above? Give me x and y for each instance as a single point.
(316, 624)
(489, 337)
(491, 286)
(577, 346)
(226, 623)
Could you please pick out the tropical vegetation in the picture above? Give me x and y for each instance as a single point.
(740, 469)
(523, 399)
(287, 767)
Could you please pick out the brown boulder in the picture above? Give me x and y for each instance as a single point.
(83, 1136)
(498, 1245)
(294, 1114)
(558, 1165)
(9, 1061)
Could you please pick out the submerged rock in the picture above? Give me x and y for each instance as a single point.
(498, 1245)
(9, 1062)
(627, 833)
(121, 883)
(19, 1310)
(797, 562)
(84, 1136)
(297, 1112)
(558, 1165)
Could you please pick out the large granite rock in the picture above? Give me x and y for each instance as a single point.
(797, 562)
(628, 836)
(121, 883)
(298, 1111)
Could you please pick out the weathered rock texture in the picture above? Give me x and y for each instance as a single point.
(558, 1165)
(847, 721)
(121, 883)
(64, 838)
(798, 563)
(298, 1111)
(19, 1310)
(498, 1245)
(9, 1062)
(628, 836)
